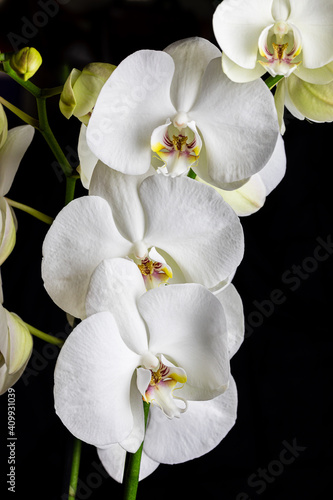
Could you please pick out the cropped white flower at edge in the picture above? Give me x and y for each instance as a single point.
(15, 348)
(177, 108)
(13, 145)
(169, 346)
(197, 235)
(278, 36)
(291, 38)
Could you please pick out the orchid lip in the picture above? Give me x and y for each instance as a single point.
(177, 146)
(162, 383)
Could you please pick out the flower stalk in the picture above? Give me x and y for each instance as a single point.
(132, 466)
(75, 469)
(44, 336)
(35, 213)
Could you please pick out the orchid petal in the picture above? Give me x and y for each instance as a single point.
(280, 10)
(312, 101)
(7, 230)
(19, 343)
(191, 57)
(192, 335)
(245, 200)
(200, 429)
(116, 188)
(113, 459)
(138, 91)
(230, 114)
(115, 286)
(251, 196)
(315, 22)
(15, 348)
(67, 266)
(279, 98)
(205, 238)
(134, 440)
(239, 74)
(274, 171)
(234, 314)
(237, 25)
(87, 158)
(93, 380)
(320, 76)
(3, 126)
(11, 154)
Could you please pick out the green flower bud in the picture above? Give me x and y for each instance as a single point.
(82, 88)
(26, 62)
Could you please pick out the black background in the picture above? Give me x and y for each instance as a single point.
(283, 369)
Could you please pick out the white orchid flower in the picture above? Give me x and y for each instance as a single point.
(197, 235)
(251, 196)
(13, 145)
(283, 37)
(170, 346)
(177, 108)
(15, 348)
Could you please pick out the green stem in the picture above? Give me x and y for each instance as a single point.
(21, 114)
(132, 467)
(47, 133)
(191, 174)
(70, 188)
(35, 213)
(28, 85)
(75, 469)
(44, 336)
(271, 81)
(43, 126)
(51, 92)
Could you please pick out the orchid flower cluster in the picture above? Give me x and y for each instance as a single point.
(175, 146)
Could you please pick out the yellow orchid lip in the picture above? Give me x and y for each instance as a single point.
(278, 60)
(178, 148)
(154, 273)
(161, 387)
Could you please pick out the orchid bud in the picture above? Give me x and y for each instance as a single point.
(82, 88)
(26, 62)
(15, 348)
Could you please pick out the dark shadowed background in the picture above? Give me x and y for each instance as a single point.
(281, 446)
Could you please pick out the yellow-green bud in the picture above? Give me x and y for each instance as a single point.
(26, 62)
(82, 88)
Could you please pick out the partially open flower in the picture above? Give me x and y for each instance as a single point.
(15, 348)
(13, 145)
(26, 62)
(82, 88)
